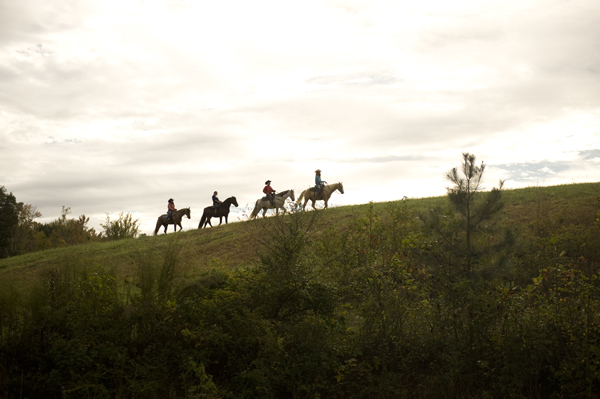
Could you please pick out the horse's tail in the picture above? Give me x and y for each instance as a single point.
(202, 220)
(158, 225)
(299, 200)
(255, 211)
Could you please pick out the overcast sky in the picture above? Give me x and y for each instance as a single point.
(116, 106)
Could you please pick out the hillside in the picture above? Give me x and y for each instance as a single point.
(234, 245)
(380, 300)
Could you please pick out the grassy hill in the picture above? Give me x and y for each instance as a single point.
(354, 302)
(234, 245)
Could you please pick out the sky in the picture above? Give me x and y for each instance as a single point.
(115, 106)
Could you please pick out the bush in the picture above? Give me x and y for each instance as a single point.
(123, 227)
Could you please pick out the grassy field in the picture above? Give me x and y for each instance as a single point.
(533, 210)
(362, 301)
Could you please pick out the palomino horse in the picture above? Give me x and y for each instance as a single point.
(222, 210)
(163, 221)
(278, 203)
(309, 194)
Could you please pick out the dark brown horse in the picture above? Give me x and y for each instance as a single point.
(163, 221)
(220, 212)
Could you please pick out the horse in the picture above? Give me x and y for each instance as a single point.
(219, 212)
(312, 194)
(163, 221)
(278, 203)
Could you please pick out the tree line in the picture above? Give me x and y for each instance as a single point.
(20, 233)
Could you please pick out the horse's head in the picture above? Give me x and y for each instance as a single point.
(341, 187)
(188, 213)
(234, 201)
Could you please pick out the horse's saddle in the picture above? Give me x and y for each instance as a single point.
(319, 193)
(266, 198)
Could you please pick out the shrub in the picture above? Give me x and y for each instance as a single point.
(123, 227)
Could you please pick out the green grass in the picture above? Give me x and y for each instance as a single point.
(353, 302)
(233, 245)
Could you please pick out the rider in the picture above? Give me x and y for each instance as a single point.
(170, 209)
(269, 191)
(319, 183)
(215, 200)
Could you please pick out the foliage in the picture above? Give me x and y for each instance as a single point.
(27, 235)
(466, 242)
(23, 236)
(123, 227)
(64, 231)
(9, 218)
(30, 236)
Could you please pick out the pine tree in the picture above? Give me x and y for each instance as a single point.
(472, 216)
(469, 251)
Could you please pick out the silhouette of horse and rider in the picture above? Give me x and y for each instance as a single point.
(217, 210)
(277, 202)
(173, 216)
(320, 192)
(313, 195)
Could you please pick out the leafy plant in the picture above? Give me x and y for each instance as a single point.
(123, 227)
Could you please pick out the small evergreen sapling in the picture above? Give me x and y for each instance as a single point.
(466, 232)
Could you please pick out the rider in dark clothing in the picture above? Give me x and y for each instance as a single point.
(215, 200)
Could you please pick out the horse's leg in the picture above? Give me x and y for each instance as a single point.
(220, 220)
(313, 204)
(264, 212)
(226, 219)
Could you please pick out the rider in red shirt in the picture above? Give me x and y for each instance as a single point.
(269, 191)
(171, 209)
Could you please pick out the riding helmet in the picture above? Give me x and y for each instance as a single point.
(268, 181)
(170, 199)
